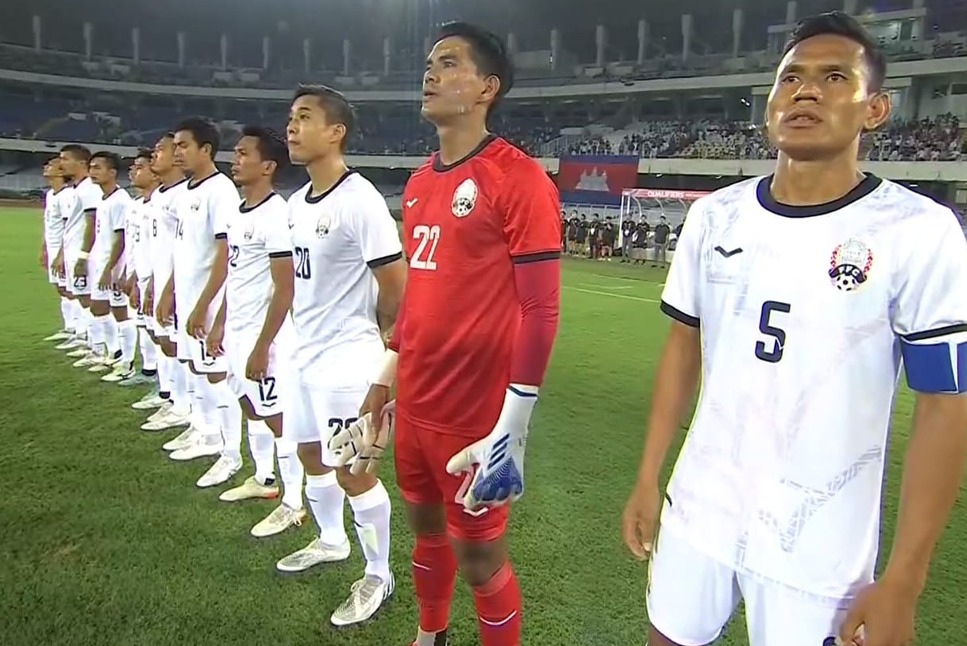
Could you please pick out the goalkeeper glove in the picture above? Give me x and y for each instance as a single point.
(362, 444)
(499, 457)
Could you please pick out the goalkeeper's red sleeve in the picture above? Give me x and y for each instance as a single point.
(539, 293)
(394, 340)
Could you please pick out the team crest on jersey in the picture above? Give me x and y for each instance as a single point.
(464, 198)
(249, 232)
(323, 226)
(195, 204)
(850, 264)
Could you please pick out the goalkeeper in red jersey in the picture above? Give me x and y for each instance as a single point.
(483, 236)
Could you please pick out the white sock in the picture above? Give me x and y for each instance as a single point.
(95, 332)
(76, 310)
(67, 313)
(207, 406)
(229, 419)
(149, 351)
(261, 443)
(128, 332)
(371, 513)
(109, 330)
(326, 498)
(291, 472)
(177, 386)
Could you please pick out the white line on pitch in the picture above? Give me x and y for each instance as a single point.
(600, 286)
(624, 296)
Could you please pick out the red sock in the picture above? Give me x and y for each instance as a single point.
(498, 606)
(434, 571)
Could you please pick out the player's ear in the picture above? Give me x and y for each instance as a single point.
(491, 89)
(878, 111)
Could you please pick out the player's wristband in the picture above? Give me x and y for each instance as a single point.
(84, 255)
(386, 375)
(519, 402)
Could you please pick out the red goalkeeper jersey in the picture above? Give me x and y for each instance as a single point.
(464, 227)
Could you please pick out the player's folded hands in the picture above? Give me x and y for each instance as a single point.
(362, 443)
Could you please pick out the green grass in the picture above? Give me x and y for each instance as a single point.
(105, 542)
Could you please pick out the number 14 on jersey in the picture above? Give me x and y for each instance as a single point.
(427, 237)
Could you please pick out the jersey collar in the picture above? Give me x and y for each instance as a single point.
(440, 167)
(248, 209)
(162, 189)
(869, 184)
(315, 199)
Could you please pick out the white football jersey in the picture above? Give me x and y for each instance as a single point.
(204, 209)
(54, 219)
(164, 225)
(805, 313)
(255, 236)
(138, 227)
(109, 218)
(337, 237)
(82, 198)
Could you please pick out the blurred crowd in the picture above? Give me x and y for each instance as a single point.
(934, 139)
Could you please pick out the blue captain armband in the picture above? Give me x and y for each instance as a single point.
(935, 366)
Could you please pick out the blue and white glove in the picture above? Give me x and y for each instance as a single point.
(497, 461)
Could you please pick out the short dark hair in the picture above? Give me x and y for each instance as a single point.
(143, 153)
(113, 159)
(838, 23)
(488, 51)
(203, 130)
(334, 103)
(77, 151)
(52, 160)
(271, 145)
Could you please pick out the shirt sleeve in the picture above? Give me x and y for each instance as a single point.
(278, 241)
(930, 311)
(119, 214)
(222, 206)
(375, 230)
(89, 197)
(680, 298)
(530, 205)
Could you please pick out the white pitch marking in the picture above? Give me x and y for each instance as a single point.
(624, 296)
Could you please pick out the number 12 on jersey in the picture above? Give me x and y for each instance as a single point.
(771, 351)
(428, 238)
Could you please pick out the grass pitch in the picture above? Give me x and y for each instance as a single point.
(106, 542)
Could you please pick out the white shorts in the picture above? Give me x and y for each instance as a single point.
(315, 413)
(78, 285)
(115, 297)
(201, 361)
(691, 597)
(265, 396)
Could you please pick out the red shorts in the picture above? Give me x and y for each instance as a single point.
(421, 458)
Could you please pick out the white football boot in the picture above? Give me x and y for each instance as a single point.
(366, 597)
(315, 553)
(250, 489)
(219, 473)
(282, 518)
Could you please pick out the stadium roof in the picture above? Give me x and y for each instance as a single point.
(408, 22)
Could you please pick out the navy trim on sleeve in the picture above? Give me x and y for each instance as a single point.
(535, 257)
(221, 236)
(385, 260)
(680, 316)
(933, 334)
(280, 254)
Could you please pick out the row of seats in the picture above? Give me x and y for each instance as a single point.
(400, 131)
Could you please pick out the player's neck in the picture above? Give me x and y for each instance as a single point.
(325, 172)
(172, 177)
(149, 191)
(457, 141)
(808, 183)
(256, 193)
(77, 180)
(207, 170)
(107, 189)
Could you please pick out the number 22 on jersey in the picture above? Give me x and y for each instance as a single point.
(427, 237)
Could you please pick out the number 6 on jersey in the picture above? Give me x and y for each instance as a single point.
(428, 236)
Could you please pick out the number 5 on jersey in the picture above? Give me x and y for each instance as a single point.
(428, 237)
